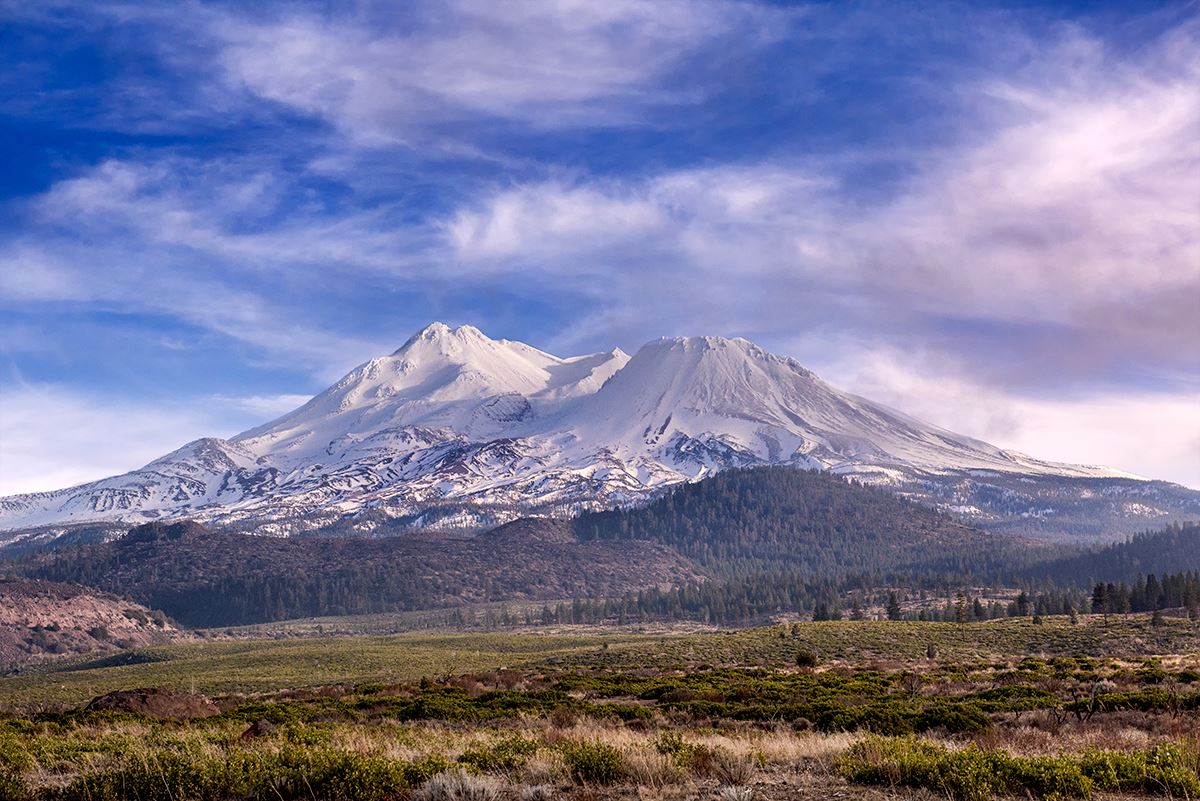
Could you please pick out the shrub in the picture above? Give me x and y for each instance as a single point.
(971, 774)
(1163, 769)
(650, 769)
(12, 787)
(508, 754)
(457, 785)
(974, 774)
(671, 744)
(289, 774)
(165, 775)
(955, 719)
(732, 769)
(593, 762)
(424, 769)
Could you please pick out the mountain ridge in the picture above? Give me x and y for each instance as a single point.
(457, 429)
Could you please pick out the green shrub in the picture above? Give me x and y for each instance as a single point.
(1164, 769)
(166, 775)
(290, 774)
(954, 718)
(671, 744)
(973, 774)
(1045, 776)
(423, 770)
(970, 774)
(593, 762)
(12, 787)
(508, 754)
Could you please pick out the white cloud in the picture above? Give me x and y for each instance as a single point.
(186, 238)
(1154, 435)
(264, 407)
(54, 436)
(229, 209)
(384, 75)
(1081, 195)
(1073, 205)
(125, 278)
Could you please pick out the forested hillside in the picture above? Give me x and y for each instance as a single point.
(1172, 549)
(733, 549)
(774, 519)
(209, 578)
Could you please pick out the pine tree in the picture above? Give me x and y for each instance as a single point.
(893, 607)
(1100, 600)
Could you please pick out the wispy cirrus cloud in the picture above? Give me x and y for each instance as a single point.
(1075, 215)
(385, 74)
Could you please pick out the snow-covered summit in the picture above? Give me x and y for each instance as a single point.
(456, 379)
(456, 420)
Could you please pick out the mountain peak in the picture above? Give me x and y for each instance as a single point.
(438, 331)
(708, 347)
(456, 417)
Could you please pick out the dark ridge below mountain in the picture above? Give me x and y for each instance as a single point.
(204, 577)
(1170, 550)
(808, 522)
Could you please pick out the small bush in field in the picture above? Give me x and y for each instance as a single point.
(1165, 769)
(593, 762)
(457, 785)
(424, 769)
(508, 754)
(733, 769)
(671, 744)
(12, 788)
(955, 719)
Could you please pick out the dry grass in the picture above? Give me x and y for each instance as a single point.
(651, 770)
(1040, 732)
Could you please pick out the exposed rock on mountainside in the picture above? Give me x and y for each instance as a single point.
(455, 429)
(45, 618)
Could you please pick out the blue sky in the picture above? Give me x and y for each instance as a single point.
(986, 215)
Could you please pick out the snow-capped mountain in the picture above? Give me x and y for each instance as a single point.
(455, 428)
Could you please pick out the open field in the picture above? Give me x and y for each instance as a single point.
(250, 666)
(224, 667)
(812, 710)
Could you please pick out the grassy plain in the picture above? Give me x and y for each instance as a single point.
(876, 710)
(227, 666)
